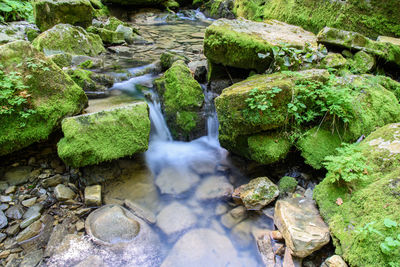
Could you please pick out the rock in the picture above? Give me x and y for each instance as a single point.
(241, 233)
(244, 41)
(202, 247)
(214, 187)
(93, 260)
(288, 259)
(4, 206)
(140, 3)
(56, 237)
(287, 184)
(32, 258)
(29, 232)
(130, 129)
(168, 58)
(333, 60)
(175, 182)
(5, 199)
(4, 254)
(3, 220)
(28, 221)
(37, 208)
(388, 51)
(10, 190)
(106, 171)
(301, 225)
(108, 37)
(90, 81)
(264, 246)
(112, 224)
(66, 97)
(257, 194)
(93, 195)
(80, 226)
(12, 230)
(334, 261)
(127, 33)
(69, 39)
(234, 217)
(29, 202)
(2, 237)
(63, 192)
(18, 175)
(52, 181)
(15, 212)
(387, 39)
(182, 98)
(268, 148)
(221, 209)
(69, 243)
(362, 62)
(140, 211)
(175, 218)
(49, 13)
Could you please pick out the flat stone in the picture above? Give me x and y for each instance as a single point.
(175, 182)
(387, 39)
(4, 206)
(175, 218)
(3, 220)
(264, 245)
(12, 230)
(56, 237)
(93, 260)
(28, 221)
(15, 212)
(32, 258)
(52, 181)
(29, 232)
(234, 217)
(37, 208)
(140, 211)
(80, 226)
(241, 233)
(334, 261)
(18, 175)
(4, 254)
(63, 192)
(5, 198)
(301, 225)
(2, 237)
(10, 190)
(214, 187)
(93, 195)
(29, 202)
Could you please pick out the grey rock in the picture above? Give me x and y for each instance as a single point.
(18, 175)
(174, 182)
(37, 208)
(32, 258)
(234, 217)
(56, 237)
(127, 32)
(10, 190)
(3, 220)
(63, 192)
(93, 195)
(214, 187)
(52, 181)
(4, 206)
(28, 221)
(15, 212)
(5, 198)
(2, 237)
(93, 260)
(29, 232)
(175, 218)
(12, 230)
(140, 211)
(334, 261)
(29, 202)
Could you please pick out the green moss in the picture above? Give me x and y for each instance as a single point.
(113, 23)
(372, 18)
(333, 60)
(88, 64)
(268, 148)
(362, 62)
(54, 95)
(69, 39)
(187, 120)
(106, 135)
(51, 12)
(62, 60)
(31, 34)
(168, 58)
(107, 36)
(83, 78)
(372, 200)
(287, 184)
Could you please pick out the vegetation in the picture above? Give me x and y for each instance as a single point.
(287, 184)
(12, 10)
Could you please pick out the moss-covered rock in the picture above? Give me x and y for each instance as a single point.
(70, 39)
(62, 59)
(168, 58)
(107, 36)
(90, 81)
(287, 184)
(182, 98)
(388, 51)
(106, 135)
(49, 13)
(361, 224)
(249, 44)
(333, 60)
(268, 148)
(49, 92)
(362, 62)
(373, 18)
(141, 3)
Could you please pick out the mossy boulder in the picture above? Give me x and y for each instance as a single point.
(141, 3)
(49, 13)
(62, 59)
(333, 60)
(70, 39)
(372, 18)
(90, 81)
(367, 213)
(268, 148)
(50, 93)
(362, 62)
(103, 136)
(249, 44)
(387, 51)
(168, 58)
(182, 98)
(107, 36)
(287, 184)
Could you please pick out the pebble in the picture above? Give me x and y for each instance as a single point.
(15, 212)
(29, 202)
(29, 232)
(12, 230)
(11, 190)
(37, 208)
(52, 181)
(63, 192)
(80, 226)
(28, 221)
(4, 254)
(3, 220)
(93, 195)
(5, 198)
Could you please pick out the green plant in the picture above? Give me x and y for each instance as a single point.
(35, 64)
(348, 167)
(260, 103)
(14, 97)
(11, 10)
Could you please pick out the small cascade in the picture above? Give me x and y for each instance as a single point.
(211, 115)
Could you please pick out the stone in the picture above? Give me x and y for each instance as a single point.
(202, 247)
(65, 99)
(4, 254)
(69, 39)
(10, 190)
(5, 199)
(63, 192)
(29, 202)
(15, 212)
(32, 258)
(175, 182)
(12, 230)
(334, 261)
(127, 33)
(241, 233)
(2, 237)
(257, 194)
(37, 208)
(93, 260)
(235, 216)
(28, 221)
(108, 37)
(93, 195)
(49, 13)
(333, 60)
(56, 237)
(80, 226)
(168, 58)
(221, 209)
(214, 187)
(264, 245)
(18, 175)
(4, 206)
(101, 173)
(129, 126)
(3, 220)
(141, 211)
(31, 231)
(246, 42)
(388, 39)
(175, 218)
(362, 62)
(52, 181)
(301, 225)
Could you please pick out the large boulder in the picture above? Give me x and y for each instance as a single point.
(106, 135)
(49, 13)
(182, 98)
(44, 95)
(69, 39)
(142, 3)
(250, 44)
(359, 199)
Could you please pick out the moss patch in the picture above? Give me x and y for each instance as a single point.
(287, 184)
(268, 148)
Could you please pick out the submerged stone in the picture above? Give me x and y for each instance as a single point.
(52, 12)
(50, 94)
(106, 135)
(175, 218)
(214, 187)
(175, 182)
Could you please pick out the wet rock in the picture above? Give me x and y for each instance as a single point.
(130, 129)
(334, 261)
(12, 230)
(101, 173)
(4, 254)
(257, 194)
(29, 202)
(32, 258)
(168, 58)
(37, 208)
(57, 235)
(242, 233)
(221, 209)
(140, 211)
(15, 212)
(5, 199)
(29, 220)
(10, 190)
(265, 248)
(2, 237)
(68, 243)
(93, 195)
(199, 68)
(63, 192)
(18, 175)
(80, 226)
(93, 260)
(203, 167)
(175, 218)
(301, 225)
(4, 206)
(127, 33)
(175, 182)
(29, 232)
(234, 217)
(52, 181)
(214, 187)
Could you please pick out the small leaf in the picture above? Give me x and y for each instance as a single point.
(389, 223)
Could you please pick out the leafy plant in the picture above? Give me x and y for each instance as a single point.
(260, 103)
(12, 10)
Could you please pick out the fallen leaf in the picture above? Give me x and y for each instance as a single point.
(339, 201)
